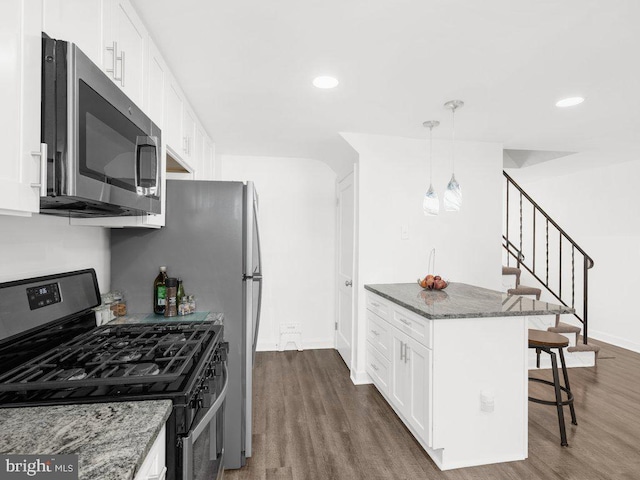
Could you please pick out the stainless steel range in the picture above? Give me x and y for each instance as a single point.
(52, 353)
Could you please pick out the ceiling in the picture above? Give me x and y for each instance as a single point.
(247, 65)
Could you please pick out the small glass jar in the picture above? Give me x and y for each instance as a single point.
(192, 304)
(118, 305)
(183, 306)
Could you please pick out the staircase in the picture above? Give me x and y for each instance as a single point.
(538, 251)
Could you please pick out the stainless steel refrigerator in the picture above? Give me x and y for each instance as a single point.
(211, 240)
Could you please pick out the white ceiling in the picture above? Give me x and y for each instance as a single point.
(247, 67)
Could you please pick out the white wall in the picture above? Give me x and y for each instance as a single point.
(297, 228)
(598, 208)
(392, 181)
(43, 244)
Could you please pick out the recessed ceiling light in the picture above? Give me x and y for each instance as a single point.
(569, 102)
(325, 82)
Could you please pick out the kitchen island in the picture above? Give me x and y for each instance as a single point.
(453, 365)
(113, 441)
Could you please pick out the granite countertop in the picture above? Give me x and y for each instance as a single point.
(460, 300)
(215, 317)
(110, 439)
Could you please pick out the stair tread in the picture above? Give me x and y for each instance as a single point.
(511, 271)
(581, 347)
(521, 289)
(564, 328)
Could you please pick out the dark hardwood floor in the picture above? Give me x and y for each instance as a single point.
(310, 422)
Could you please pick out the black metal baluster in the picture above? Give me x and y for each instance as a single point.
(573, 276)
(520, 252)
(584, 299)
(547, 277)
(534, 239)
(560, 269)
(508, 256)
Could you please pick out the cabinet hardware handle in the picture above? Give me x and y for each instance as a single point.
(401, 350)
(43, 169)
(348, 283)
(375, 332)
(114, 60)
(374, 367)
(406, 322)
(375, 304)
(122, 63)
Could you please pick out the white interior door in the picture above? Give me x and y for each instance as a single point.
(344, 324)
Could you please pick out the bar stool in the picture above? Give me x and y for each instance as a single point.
(543, 342)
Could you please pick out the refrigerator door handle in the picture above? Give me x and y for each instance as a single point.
(257, 269)
(257, 279)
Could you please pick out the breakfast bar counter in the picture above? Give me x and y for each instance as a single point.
(460, 300)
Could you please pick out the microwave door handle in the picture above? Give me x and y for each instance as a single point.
(189, 440)
(148, 142)
(157, 147)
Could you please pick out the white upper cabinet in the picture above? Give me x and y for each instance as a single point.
(156, 82)
(21, 34)
(174, 109)
(198, 154)
(209, 155)
(189, 136)
(78, 21)
(125, 48)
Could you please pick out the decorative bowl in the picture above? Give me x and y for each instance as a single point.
(432, 285)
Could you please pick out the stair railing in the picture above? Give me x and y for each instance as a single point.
(524, 240)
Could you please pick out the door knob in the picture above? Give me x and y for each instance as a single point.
(348, 283)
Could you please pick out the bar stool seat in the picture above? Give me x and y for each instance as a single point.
(544, 341)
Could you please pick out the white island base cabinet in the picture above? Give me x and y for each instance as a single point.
(458, 384)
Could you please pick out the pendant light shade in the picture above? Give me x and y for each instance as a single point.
(431, 202)
(453, 194)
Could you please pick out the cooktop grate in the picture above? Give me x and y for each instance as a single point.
(112, 355)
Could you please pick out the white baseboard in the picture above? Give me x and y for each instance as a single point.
(272, 346)
(614, 340)
(360, 378)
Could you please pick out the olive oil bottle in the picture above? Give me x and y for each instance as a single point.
(160, 292)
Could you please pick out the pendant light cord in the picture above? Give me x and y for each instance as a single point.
(453, 141)
(430, 155)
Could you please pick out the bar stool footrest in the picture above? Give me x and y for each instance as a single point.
(569, 400)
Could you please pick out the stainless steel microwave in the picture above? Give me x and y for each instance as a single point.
(102, 151)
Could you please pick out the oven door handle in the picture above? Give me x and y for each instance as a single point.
(189, 440)
(198, 429)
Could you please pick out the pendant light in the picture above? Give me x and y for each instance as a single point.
(431, 203)
(453, 194)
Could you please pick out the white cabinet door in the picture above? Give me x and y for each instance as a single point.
(20, 60)
(419, 361)
(174, 114)
(77, 21)
(198, 155)
(209, 159)
(125, 43)
(189, 134)
(399, 392)
(156, 72)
